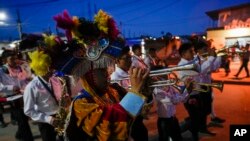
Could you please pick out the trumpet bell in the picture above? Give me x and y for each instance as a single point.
(218, 86)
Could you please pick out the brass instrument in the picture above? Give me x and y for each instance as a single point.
(64, 104)
(219, 86)
(168, 71)
(220, 52)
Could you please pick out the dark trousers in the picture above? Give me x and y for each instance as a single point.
(23, 127)
(194, 111)
(12, 110)
(206, 107)
(244, 65)
(169, 127)
(47, 131)
(1, 113)
(139, 132)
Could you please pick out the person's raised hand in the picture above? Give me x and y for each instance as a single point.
(137, 78)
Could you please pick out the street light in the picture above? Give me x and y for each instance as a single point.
(3, 16)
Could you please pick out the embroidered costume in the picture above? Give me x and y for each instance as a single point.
(98, 115)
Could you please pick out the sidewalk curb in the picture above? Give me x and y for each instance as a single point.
(233, 82)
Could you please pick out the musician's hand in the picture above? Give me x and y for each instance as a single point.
(212, 52)
(137, 78)
(55, 121)
(16, 90)
(1, 95)
(189, 87)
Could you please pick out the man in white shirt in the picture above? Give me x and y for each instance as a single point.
(167, 98)
(10, 84)
(40, 103)
(121, 71)
(151, 58)
(193, 103)
(209, 64)
(137, 61)
(139, 131)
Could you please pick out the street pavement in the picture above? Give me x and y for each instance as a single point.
(233, 104)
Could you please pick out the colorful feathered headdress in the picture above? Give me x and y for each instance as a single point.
(53, 51)
(100, 37)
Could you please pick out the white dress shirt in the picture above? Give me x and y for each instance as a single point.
(189, 74)
(209, 65)
(7, 83)
(119, 74)
(150, 61)
(167, 98)
(38, 102)
(138, 62)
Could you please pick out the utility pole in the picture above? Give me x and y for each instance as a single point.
(95, 9)
(19, 24)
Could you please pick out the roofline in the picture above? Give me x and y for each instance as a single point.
(214, 15)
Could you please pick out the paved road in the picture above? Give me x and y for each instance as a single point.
(233, 105)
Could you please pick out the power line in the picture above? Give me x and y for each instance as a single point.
(144, 5)
(154, 11)
(169, 22)
(122, 5)
(29, 4)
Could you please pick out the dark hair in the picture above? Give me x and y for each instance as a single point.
(184, 47)
(200, 45)
(124, 51)
(135, 47)
(151, 50)
(7, 53)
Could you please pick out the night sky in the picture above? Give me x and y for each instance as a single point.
(134, 17)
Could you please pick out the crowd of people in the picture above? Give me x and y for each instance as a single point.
(93, 87)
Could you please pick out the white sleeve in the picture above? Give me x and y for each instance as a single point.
(216, 63)
(6, 88)
(29, 100)
(147, 61)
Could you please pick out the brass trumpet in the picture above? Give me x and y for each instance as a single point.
(167, 71)
(218, 85)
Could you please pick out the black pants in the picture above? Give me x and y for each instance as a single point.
(206, 108)
(1, 113)
(169, 127)
(244, 65)
(194, 111)
(139, 132)
(47, 131)
(23, 127)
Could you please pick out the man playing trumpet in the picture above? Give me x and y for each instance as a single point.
(210, 63)
(193, 103)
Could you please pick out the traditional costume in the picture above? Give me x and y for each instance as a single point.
(95, 115)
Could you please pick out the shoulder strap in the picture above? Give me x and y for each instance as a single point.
(51, 92)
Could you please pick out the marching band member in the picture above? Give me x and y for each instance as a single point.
(100, 112)
(137, 61)
(193, 102)
(43, 94)
(209, 64)
(151, 59)
(167, 97)
(138, 131)
(11, 83)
